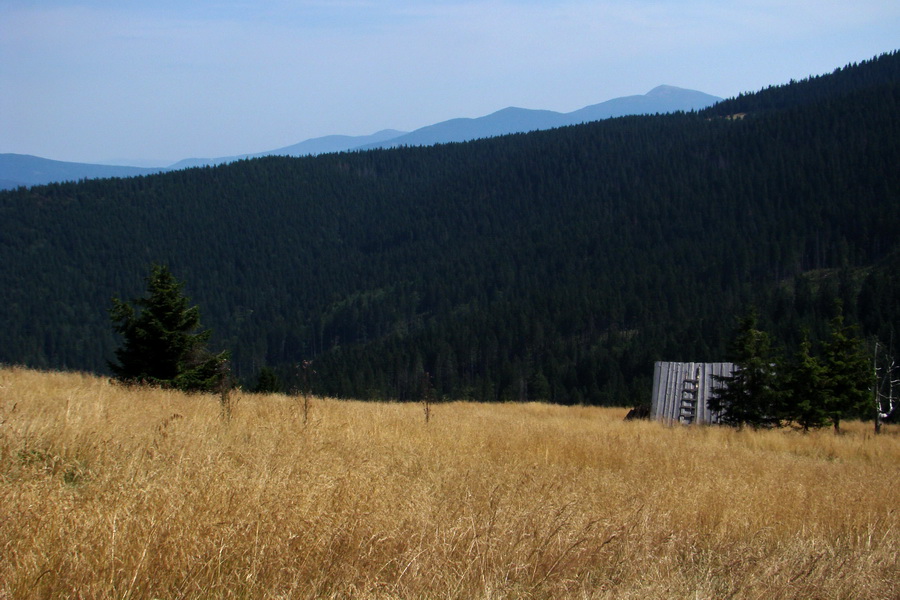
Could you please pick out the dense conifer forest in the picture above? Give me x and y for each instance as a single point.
(555, 265)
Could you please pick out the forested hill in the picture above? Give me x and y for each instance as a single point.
(552, 265)
(823, 88)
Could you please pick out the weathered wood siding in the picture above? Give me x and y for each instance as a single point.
(681, 390)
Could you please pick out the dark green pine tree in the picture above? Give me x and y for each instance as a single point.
(807, 390)
(267, 382)
(848, 373)
(539, 387)
(163, 343)
(751, 394)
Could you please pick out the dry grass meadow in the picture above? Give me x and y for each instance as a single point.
(107, 492)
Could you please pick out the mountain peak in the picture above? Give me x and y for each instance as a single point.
(665, 90)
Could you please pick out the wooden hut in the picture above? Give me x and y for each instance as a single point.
(682, 389)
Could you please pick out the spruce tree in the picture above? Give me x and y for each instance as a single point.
(267, 382)
(163, 343)
(807, 390)
(848, 373)
(751, 394)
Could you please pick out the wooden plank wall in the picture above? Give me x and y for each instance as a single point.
(673, 382)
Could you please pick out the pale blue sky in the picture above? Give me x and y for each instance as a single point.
(106, 80)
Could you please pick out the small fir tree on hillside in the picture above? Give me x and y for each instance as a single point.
(267, 382)
(848, 371)
(806, 386)
(163, 343)
(751, 394)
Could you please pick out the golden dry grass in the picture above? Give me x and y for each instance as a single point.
(113, 493)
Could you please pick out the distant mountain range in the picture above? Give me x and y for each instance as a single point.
(25, 170)
(662, 99)
(321, 145)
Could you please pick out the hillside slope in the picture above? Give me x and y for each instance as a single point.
(552, 265)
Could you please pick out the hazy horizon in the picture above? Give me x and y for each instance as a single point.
(98, 81)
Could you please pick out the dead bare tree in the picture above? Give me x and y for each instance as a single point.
(226, 382)
(306, 371)
(427, 393)
(886, 377)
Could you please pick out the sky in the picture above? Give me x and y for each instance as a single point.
(149, 82)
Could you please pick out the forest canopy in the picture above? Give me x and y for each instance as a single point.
(555, 265)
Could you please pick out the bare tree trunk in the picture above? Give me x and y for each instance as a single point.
(225, 390)
(877, 399)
